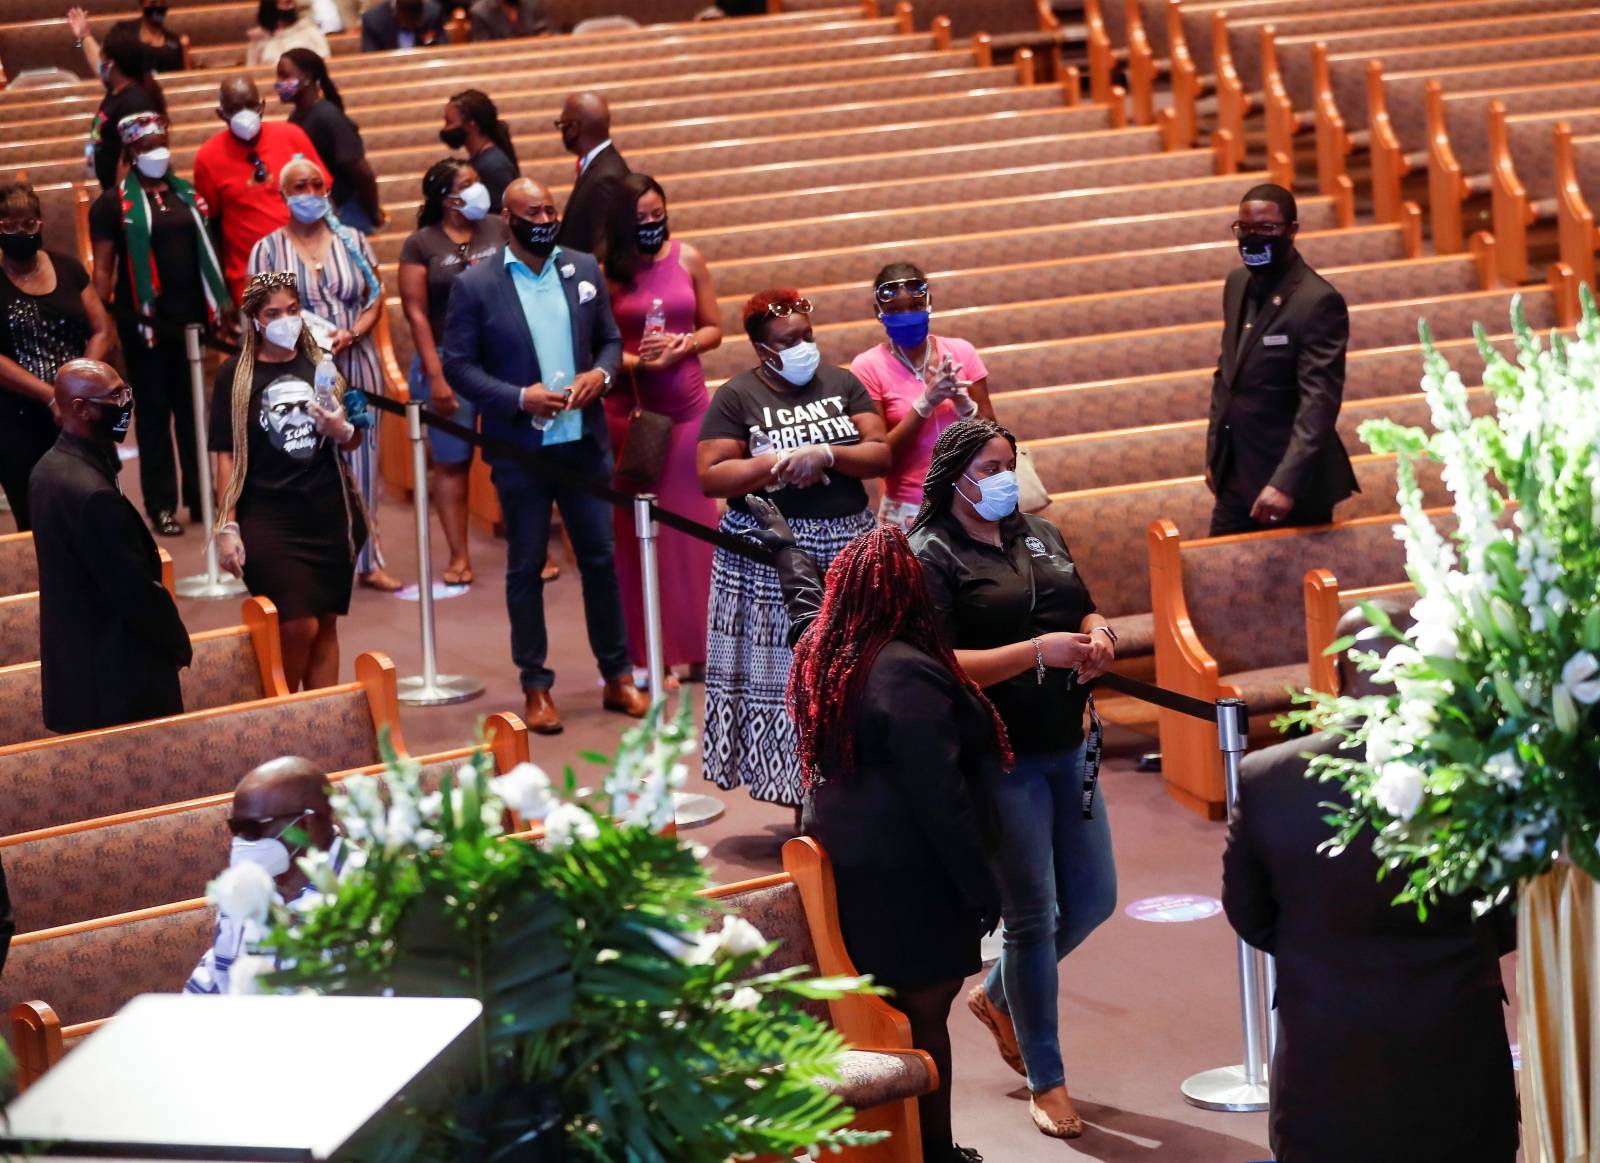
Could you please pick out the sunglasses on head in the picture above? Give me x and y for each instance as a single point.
(801, 306)
(917, 288)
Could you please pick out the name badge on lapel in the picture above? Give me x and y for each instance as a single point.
(1274, 341)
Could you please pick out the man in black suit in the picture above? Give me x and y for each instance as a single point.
(1392, 1045)
(530, 339)
(391, 24)
(1273, 456)
(111, 642)
(585, 125)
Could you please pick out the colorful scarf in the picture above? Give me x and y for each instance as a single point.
(142, 274)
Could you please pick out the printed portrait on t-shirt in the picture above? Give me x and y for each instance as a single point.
(286, 417)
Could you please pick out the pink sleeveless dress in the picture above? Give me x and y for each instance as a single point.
(680, 394)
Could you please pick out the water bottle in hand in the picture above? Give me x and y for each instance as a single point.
(655, 321)
(760, 444)
(542, 423)
(326, 385)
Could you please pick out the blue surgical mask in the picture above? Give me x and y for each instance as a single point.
(906, 328)
(308, 207)
(799, 363)
(997, 495)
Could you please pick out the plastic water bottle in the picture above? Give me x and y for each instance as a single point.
(655, 322)
(326, 385)
(542, 423)
(760, 445)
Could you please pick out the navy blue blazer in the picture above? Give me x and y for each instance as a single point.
(488, 353)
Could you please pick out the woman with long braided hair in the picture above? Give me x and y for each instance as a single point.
(899, 752)
(290, 521)
(1024, 628)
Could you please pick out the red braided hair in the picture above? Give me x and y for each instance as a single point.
(875, 595)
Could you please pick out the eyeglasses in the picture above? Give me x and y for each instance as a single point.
(1259, 230)
(123, 395)
(801, 306)
(261, 174)
(917, 288)
(256, 829)
(25, 226)
(561, 126)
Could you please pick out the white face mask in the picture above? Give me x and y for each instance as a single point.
(799, 363)
(153, 163)
(474, 202)
(283, 331)
(270, 853)
(245, 124)
(997, 495)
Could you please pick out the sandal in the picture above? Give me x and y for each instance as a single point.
(463, 576)
(382, 582)
(550, 572)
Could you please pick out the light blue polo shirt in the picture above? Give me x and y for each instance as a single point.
(544, 306)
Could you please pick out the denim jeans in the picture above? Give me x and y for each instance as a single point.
(525, 502)
(1057, 884)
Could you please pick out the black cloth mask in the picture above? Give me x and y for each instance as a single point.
(454, 138)
(537, 237)
(1261, 252)
(21, 247)
(653, 236)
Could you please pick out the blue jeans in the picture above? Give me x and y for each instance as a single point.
(447, 448)
(525, 502)
(1058, 882)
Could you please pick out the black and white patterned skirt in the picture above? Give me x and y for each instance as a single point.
(749, 736)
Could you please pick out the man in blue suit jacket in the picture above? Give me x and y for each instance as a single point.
(530, 339)
(392, 24)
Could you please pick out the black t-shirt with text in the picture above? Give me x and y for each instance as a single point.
(447, 260)
(821, 412)
(288, 460)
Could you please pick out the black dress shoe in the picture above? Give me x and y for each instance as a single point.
(166, 523)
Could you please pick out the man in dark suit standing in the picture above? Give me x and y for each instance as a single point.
(1273, 455)
(585, 125)
(391, 24)
(1392, 1046)
(111, 642)
(530, 339)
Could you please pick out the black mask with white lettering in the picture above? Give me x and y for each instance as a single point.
(114, 419)
(653, 236)
(537, 237)
(1261, 252)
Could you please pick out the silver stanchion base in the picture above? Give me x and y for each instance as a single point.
(446, 688)
(694, 811)
(1224, 1089)
(201, 586)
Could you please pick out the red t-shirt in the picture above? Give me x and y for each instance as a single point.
(226, 177)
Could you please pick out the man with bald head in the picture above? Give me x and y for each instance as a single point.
(585, 125)
(280, 811)
(530, 339)
(236, 174)
(111, 642)
(1392, 1045)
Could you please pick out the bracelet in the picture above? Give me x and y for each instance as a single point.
(1110, 633)
(1038, 662)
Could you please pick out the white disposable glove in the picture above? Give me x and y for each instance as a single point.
(806, 465)
(230, 549)
(331, 423)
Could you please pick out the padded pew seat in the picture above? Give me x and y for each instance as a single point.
(1136, 635)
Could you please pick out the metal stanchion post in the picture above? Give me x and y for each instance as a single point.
(1243, 1087)
(688, 811)
(213, 583)
(1269, 990)
(428, 689)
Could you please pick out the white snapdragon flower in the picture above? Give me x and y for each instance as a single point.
(1399, 790)
(565, 823)
(739, 937)
(400, 829)
(244, 892)
(744, 998)
(1504, 768)
(1435, 631)
(526, 790)
(1581, 676)
(1383, 743)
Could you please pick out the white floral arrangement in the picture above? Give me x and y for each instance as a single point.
(1484, 762)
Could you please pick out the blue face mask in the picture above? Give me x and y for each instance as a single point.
(998, 495)
(308, 207)
(906, 328)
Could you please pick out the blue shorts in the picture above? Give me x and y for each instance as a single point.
(446, 448)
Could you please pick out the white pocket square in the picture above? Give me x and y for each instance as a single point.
(1274, 340)
(586, 292)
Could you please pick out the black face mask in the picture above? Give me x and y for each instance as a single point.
(537, 237)
(1260, 252)
(653, 236)
(114, 420)
(453, 138)
(21, 247)
(156, 14)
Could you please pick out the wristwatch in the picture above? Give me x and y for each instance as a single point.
(605, 375)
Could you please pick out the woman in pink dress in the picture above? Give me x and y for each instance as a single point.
(665, 304)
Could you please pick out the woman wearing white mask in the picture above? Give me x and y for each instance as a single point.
(808, 435)
(154, 263)
(342, 298)
(1024, 628)
(290, 521)
(455, 231)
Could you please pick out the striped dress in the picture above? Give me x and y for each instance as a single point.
(337, 293)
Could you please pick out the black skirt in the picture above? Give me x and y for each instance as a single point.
(908, 927)
(299, 551)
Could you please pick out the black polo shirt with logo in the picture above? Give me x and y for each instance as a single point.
(988, 596)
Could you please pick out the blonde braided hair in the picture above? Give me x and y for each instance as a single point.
(256, 293)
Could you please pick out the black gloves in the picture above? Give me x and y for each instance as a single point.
(798, 575)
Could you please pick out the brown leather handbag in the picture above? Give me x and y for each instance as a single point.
(643, 456)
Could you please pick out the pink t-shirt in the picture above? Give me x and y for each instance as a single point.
(894, 386)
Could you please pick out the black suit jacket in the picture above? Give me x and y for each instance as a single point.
(381, 32)
(111, 641)
(489, 20)
(587, 215)
(1275, 401)
(1392, 1046)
